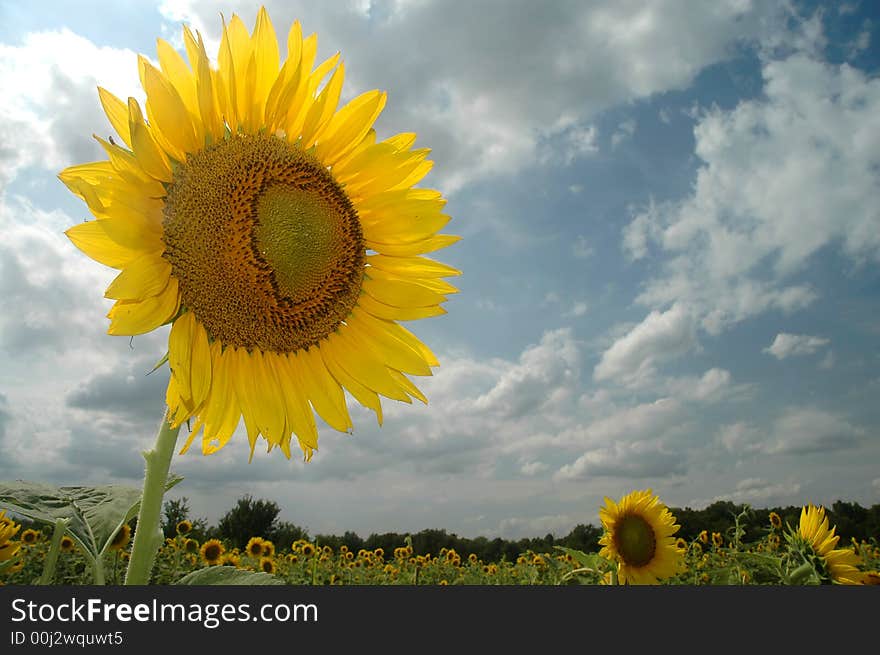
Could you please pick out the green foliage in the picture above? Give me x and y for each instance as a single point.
(94, 514)
(175, 511)
(227, 575)
(249, 518)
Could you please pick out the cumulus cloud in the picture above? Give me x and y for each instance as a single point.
(632, 359)
(782, 176)
(636, 459)
(790, 345)
(550, 66)
(49, 108)
(761, 492)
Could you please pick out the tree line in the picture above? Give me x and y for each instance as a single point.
(259, 518)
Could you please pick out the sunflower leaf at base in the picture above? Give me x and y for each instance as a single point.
(227, 575)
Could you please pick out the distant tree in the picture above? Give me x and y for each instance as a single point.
(285, 533)
(249, 518)
(175, 511)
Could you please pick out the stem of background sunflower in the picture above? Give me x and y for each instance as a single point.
(147, 536)
(54, 549)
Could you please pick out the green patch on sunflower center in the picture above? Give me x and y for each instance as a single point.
(267, 247)
(635, 540)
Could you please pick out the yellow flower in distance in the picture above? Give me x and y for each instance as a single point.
(254, 547)
(280, 239)
(67, 544)
(775, 520)
(183, 527)
(212, 550)
(638, 536)
(121, 538)
(841, 564)
(8, 529)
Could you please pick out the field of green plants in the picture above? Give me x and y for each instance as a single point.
(740, 553)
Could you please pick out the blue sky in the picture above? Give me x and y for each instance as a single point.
(670, 260)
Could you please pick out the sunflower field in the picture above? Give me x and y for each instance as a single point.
(639, 546)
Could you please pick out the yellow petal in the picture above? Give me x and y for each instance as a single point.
(144, 277)
(200, 371)
(383, 329)
(385, 347)
(406, 384)
(349, 125)
(323, 107)
(178, 73)
(399, 293)
(436, 242)
(130, 317)
(91, 237)
(149, 154)
(362, 365)
(366, 397)
(412, 266)
(170, 115)
(117, 112)
(391, 313)
(266, 60)
(323, 391)
(293, 391)
(180, 343)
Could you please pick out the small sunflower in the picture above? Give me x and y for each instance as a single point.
(308, 550)
(29, 537)
(681, 544)
(268, 548)
(841, 564)
(267, 565)
(67, 544)
(121, 538)
(183, 527)
(275, 234)
(638, 536)
(191, 546)
(775, 520)
(704, 536)
(8, 529)
(230, 559)
(254, 547)
(717, 540)
(211, 551)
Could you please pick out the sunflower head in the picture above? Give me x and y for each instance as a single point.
(816, 542)
(183, 527)
(717, 539)
(267, 565)
(775, 521)
(30, 537)
(275, 233)
(191, 546)
(230, 559)
(121, 538)
(638, 537)
(704, 536)
(211, 551)
(67, 544)
(254, 547)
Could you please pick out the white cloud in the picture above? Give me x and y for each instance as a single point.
(579, 308)
(783, 176)
(624, 131)
(635, 459)
(805, 430)
(631, 360)
(487, 115)
(790, 345)
(49, 107)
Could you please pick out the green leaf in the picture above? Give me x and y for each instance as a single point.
(228, 575)
(95, 514)
(584, 560)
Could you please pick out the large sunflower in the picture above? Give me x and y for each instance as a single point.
(841, 564)
(279, 238)
(638, 536)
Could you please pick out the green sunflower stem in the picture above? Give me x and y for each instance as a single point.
(148, 537)
(54, 549)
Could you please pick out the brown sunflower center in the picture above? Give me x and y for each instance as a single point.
(266, 246)
(635, 541)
